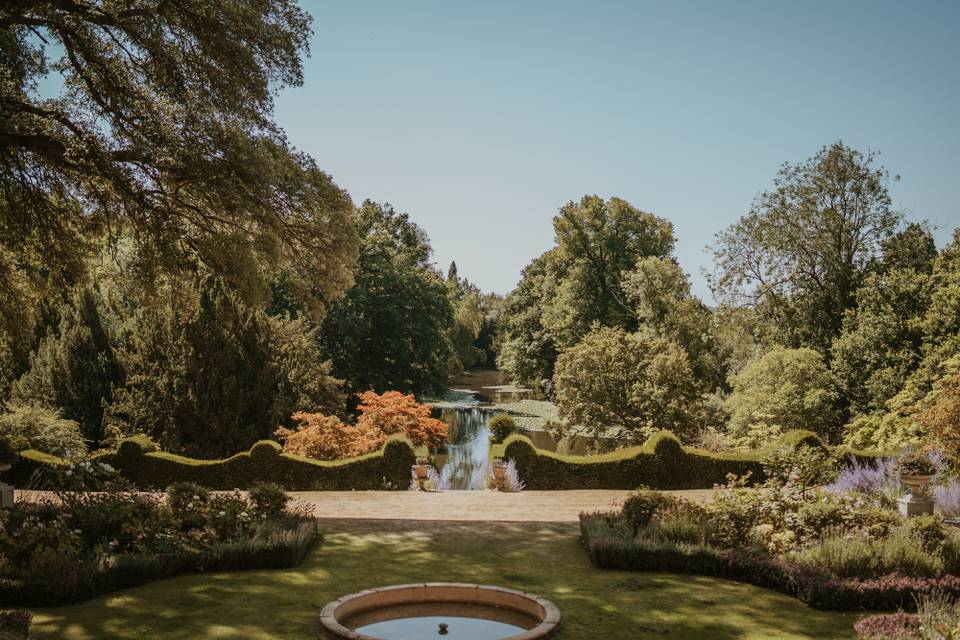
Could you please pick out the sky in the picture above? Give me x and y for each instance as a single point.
(481, 119)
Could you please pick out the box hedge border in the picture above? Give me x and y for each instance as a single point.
(139, 461)
(662, 462)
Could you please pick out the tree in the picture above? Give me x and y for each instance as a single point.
(626, 385)
(381, 416)
(74, 369)
(305, 381)
(396, 413)
(802, 251)
(911, 248)
(784, 389)
(467, 322)
(489, 340)
(879, 348)
(163, 131)
(42, 429)
(941, 416)
(915, 359)
(577, 284)
(200, 376)
(659, 294)
(597, 242)
(389, 332)
(529, 348)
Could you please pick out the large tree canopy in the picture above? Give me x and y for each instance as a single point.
(597, 242)
(389, 332)
(163, 131)
(801, 252)
(578, 284)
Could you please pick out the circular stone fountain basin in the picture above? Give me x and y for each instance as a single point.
(451, 611)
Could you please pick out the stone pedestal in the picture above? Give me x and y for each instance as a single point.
(6, 496)
(919, 505)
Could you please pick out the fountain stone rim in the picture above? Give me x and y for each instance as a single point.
(330, 627)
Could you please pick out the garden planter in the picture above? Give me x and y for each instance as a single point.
(422, 474)
(918, 501)
(500, 474)
(7, 494)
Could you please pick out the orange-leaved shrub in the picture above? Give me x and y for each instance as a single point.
(328, 438)
(393, 412)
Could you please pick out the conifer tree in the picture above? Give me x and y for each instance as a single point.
(74, 368)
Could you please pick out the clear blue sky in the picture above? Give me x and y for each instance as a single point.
(481, 119)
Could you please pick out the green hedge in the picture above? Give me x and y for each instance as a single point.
(137, 460)
(660, 463)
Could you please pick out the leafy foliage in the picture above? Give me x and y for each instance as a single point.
(616, 380)
(501, 427)
(200, 376)
(31, 427)
(74, 369)
(395, 413)
(381, 416)
(578, 283)
(390, 329)
(89, 543)
(785, 389)
(802, 251)
(163, 131)
(327, 438)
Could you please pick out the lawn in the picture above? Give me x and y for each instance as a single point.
(542, 558)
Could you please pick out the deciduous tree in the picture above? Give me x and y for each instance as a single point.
(163, 130)
(626, 385)
(802, 250)
(389, 332)
(782, 390)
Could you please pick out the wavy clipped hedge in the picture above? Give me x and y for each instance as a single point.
(139, 461)
(662, 462)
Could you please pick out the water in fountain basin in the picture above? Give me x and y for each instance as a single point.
(461, 622)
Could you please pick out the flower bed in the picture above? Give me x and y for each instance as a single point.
(609, 549)
(83, 544)
(836, 551)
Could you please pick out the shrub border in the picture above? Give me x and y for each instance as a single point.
(135, 570)
(762, 570)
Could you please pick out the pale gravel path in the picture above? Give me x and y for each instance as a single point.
(526, 506)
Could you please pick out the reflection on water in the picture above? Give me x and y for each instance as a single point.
(463, 462)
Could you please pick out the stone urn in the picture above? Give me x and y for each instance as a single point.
(918, 501)
(6, 491)
(421, 471)
(499, 473)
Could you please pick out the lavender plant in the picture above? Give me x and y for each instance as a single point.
(947, 497)
(511, 480)
(879, 479)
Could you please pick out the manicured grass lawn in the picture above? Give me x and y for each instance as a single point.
(542, 558)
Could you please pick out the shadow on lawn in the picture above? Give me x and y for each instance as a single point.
(541, 558)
